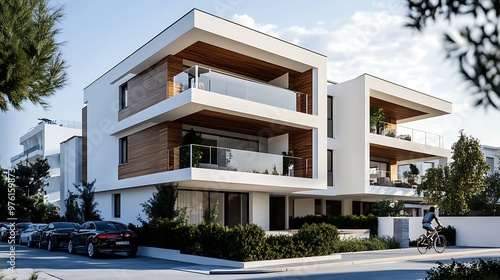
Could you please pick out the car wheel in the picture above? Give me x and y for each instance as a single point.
(131, 254)
(50, 245)
(71, 250)
(91, 250)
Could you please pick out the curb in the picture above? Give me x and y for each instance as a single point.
(347, 263)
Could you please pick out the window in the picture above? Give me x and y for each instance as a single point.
(116, 205)
(491, 162)
(334, 207)
(123, 146)
(123, 96)
(330, 168)
(330, 117)
(317, 207)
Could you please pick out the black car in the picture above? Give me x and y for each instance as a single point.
(103, 237)
(56, 235)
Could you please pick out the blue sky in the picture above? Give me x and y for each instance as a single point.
(360, 37)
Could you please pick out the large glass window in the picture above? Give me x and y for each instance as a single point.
(491, 162)
(334, 207)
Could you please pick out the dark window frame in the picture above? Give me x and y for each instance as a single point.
(329, 170)
(117, 205)
(329, 122)
(123, 150)
(123, 96)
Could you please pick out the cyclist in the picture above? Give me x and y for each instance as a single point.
(427, 221)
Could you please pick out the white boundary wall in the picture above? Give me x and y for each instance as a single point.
(471, 231)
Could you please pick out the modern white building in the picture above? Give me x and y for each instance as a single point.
(249, 128)
(43, 142)
(492, 156)
(71, 168)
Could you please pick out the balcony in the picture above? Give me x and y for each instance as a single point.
(403, 180)
(408, 134)
(231, 85)
(210, 157)
(26, 153)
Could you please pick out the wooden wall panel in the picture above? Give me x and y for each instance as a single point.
(84, 144)
(174, 67)
(303, 84)
(301, 144)
(146, 89)
(148, 150)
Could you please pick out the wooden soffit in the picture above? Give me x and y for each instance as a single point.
(394, 111)
(395, 153)
(234, 62)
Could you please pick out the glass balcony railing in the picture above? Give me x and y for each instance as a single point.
(408, 134)
(210, 157)
(25, 153)
(223, 83)
(403, 180)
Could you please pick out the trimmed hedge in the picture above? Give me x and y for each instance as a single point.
(249, 242)
(342, 222)
(475, 270)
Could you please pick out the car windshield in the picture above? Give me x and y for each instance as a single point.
(105, 226)
(65, 225)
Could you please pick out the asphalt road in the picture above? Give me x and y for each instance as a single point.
(61, 265)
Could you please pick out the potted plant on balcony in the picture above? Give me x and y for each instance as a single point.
(191, 137)
(288, 162)
(376, 117)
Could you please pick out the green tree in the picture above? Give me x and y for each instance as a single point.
(487, 202)
(72, 213)
(31, 64)
(475, 46)
(390, 208)
(88, 206)
(30, 180)
(453, 186)
(162, 204)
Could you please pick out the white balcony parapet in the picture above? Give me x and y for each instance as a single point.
(408, 134)
(231, 85)
(26, 152)
(210, 157)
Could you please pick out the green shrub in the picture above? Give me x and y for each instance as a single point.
(247, 243)
(475, 270)
(349, 245)
(342, 222)
(280, 247)
(213, 240)
(390, 242)
(451, 235)
(319, 239)
(371, 244)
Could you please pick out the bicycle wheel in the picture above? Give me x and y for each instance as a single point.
(422, 245)
(440, 243)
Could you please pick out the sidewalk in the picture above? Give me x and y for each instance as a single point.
(407, 254)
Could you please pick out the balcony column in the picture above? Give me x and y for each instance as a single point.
(347, 207)
(259, 209)
(394, 170)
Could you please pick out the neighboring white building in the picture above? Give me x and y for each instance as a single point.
(492, 156)
(249, 98)
(71, 168)
(43, 142)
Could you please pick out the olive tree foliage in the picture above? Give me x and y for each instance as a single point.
(475, 46)
(451, 187)
(488, 201)
(31, 64)
(88, 205)
(162, 203)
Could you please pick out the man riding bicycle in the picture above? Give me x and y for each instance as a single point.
(427, 221)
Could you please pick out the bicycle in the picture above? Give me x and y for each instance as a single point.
(435, 240)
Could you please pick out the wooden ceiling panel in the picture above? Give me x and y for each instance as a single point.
(394, 111)
(395, 153)
(226, 122)
(234, 62)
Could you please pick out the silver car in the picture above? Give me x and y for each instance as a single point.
(27, 235)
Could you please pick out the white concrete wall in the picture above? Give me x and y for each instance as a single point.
(259, 209)
(303, 207)
(71, 168)
(278, 144)
(471, 231)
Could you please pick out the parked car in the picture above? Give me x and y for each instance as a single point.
(56, 234)
(103, 237)
(31, 235)
(20, 227)
(4, 231)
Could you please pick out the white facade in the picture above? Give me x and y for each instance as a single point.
(492, 156)
(249, 117)
(71, 168)
(43, 142)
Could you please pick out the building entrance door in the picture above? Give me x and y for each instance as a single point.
(277, 213)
